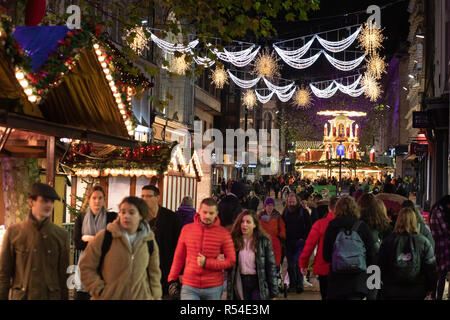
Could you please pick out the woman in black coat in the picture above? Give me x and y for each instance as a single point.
(407, 261)
(347, 286)
(87, 225)
(254, 275)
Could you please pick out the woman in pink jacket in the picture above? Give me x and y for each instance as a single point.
(315, 238)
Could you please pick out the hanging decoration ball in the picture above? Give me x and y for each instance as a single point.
(376, 66)
(139, 42)
(249, 99)
(34, 12)
(372, 88)
(219, 77)
(266, 65)
(371, 38)
(302, 98)
(179, 65)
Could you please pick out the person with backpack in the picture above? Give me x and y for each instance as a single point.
(87, 225)
(421, 225)
(315, 239)
(122, 262)
(407, 261)
(254, 275)
(440, 228)
(298, 225)
(166, 225)
(374, 214)
(349, 247)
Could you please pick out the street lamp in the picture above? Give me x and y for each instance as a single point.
(340, 151)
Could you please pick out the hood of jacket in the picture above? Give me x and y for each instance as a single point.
(186, 210)
(143, 232)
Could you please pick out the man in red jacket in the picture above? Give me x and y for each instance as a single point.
(315, 237)
(204, 249)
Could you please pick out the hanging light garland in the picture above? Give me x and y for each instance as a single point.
(245, 84)
(266, 65)
(372, 88)
(371, 38)
(239, 58)
(140, 40)
(115, 91)
(171, 48)
(249, 99)
(376, 66)
(338, 46)
(302, 98)
(179, 65)
(219, 77)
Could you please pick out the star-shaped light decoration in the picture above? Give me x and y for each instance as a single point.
(302, 98)
(179, 65)
(140, 40)
(249, 99)
(371, 38)
(373, 90)
(376, 66)
(266, 65)
(219, 77)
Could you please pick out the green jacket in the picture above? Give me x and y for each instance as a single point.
(33, 261)
(266, 271)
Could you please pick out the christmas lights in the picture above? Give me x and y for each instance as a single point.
(371, 39)
(171, 48)
(372, 90)
(219, 77)
(245, 84)
(302, 98)
(300, 63)
(239, 58)
(294, 54)
(140, 40)
(277, 89)
(285, 97)
(249, 99)
(376, 66)
(338, 46)
(344, 65)
(264, 99)
(266, 65)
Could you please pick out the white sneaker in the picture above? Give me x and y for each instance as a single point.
(306, 283)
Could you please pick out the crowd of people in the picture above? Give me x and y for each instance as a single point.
(228, 249)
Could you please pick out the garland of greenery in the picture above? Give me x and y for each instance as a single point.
(349, 163)
(67, 53)
(147, 156)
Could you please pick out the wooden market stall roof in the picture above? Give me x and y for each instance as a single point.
(84, 99)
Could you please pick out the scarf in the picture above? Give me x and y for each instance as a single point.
(93, 223)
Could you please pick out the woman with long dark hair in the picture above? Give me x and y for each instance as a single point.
(254, 276)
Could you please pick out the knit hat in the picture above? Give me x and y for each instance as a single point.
(269, 201)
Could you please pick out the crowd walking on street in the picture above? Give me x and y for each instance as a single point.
(227, 249)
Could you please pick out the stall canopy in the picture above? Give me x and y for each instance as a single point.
(82, 105)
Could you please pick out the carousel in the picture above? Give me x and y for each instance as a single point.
(338, 151)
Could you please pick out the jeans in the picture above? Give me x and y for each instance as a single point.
(250, 287)
(191, 293)
(294, 249)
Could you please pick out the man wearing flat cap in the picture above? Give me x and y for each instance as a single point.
(35, 253)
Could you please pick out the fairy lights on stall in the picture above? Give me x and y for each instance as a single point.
(115, 91)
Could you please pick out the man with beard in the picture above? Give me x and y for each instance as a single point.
(298, 225)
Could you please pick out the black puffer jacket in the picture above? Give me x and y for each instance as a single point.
(342, 285)
(392, 288)
(229, 208)
(265, 269)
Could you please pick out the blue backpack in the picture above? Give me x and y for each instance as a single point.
(349, 253)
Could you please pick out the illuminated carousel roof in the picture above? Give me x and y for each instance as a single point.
(313, 145)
